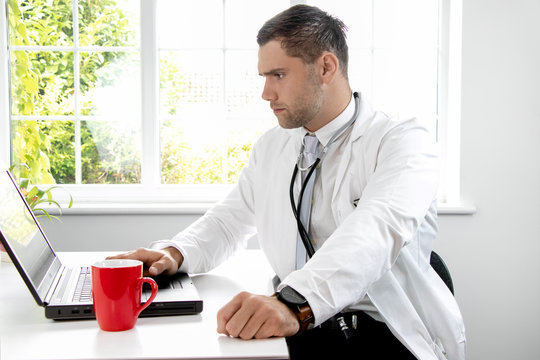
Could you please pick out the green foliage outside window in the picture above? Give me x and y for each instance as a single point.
(179, 164)
(43, 84)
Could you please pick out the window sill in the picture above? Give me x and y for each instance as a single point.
(135, 208)
(195, 208)
(455, 209)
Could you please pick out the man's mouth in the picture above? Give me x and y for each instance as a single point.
(277, 109)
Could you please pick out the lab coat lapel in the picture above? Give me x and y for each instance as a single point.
(359, 127)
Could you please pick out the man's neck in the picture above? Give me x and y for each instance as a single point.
(335, 104)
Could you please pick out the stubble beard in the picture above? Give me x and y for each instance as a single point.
(306, 107)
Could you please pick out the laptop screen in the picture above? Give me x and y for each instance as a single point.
(19, 229)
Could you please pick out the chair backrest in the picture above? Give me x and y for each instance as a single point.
(441, 269)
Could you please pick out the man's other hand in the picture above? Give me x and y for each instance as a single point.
(156, 262)
(250, 316)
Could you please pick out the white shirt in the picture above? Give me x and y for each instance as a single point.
(322, 223)
(373, 255)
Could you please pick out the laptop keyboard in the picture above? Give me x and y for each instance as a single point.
(83, 289)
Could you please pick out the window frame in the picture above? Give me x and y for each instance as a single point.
(5, 142)
(151, 196)
(449, 126)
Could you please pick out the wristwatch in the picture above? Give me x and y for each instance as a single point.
(299, 306)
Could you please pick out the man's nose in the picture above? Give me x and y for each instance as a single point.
(268, 93)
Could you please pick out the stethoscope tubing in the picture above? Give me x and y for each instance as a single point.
(296, 209)
(304, 235)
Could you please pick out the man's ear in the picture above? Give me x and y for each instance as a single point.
(329, 65)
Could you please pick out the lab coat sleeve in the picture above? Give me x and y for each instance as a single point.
(398, 193)
(221, 230)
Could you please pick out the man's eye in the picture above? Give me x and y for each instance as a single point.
(279, 76)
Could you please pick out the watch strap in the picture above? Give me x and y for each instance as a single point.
(303, 314)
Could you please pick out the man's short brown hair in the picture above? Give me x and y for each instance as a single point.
(306, 32)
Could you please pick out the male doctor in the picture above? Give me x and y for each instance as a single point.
(368, 291)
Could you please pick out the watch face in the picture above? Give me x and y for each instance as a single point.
(292, 296)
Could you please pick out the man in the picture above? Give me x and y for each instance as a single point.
(368, 290)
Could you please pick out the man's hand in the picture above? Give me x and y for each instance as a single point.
(166, 261)
(249, 316)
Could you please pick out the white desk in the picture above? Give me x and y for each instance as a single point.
(25, 333)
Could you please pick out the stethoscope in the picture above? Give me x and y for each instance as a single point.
(298, 166)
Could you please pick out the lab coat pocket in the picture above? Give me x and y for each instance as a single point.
(348, 197)
(438, 349)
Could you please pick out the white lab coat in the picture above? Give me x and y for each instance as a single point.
(380, 248)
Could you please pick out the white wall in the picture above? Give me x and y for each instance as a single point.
(493, 254)
(112, 232)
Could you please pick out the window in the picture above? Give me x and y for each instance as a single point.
(210, 109)
(74, 82)
(160, 100)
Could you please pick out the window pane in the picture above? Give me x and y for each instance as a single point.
(357, 16)
(216, 156)
(190, 24)
(406, 83)
(192, 111)
(62, 154)
(187, 157)
(248, 116)
(191, 83)
(109, 23)
(42, 83)
(110, 84)
(244, 18)
(393, 49)
(42, 145)
(38, 22)
(111, 153)
(361, 71)
(410, 24)
(244, 85)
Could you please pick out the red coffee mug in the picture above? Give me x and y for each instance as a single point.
(116, 291)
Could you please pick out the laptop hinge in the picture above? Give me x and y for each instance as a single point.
(56, 283)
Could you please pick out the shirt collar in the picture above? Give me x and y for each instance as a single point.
(325, 133)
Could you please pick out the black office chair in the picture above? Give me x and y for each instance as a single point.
(441, 269)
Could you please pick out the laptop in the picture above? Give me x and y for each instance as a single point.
(65, 292)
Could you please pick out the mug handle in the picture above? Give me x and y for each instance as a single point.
(154, 286)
